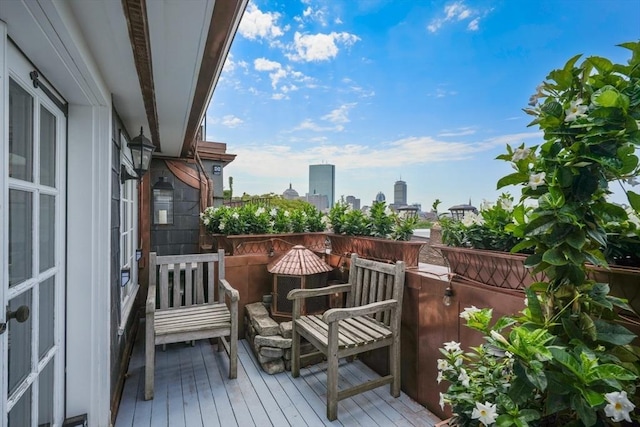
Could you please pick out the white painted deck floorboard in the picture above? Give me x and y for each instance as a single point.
(192, 389)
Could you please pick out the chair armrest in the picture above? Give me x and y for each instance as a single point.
(334, 314)
(327, 290)
(233, 294)
(151, 299)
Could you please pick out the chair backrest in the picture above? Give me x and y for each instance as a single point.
(185, 280)
(373, 281)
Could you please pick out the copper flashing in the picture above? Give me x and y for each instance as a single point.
(135, 12)
(216, 151)
(299, 261)
(222, 28)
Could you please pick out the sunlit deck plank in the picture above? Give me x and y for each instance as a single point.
(192, 389)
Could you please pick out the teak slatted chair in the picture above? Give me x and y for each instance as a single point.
(371, 320)
(189, 311)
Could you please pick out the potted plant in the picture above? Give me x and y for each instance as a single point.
(379, 234)
(566, 358)
(254, 228)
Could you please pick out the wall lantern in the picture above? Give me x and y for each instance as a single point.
(141, 150)
(162, 202)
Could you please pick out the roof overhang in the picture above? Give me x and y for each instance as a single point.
(159, 60)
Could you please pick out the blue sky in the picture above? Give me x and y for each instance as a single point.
(426, 91)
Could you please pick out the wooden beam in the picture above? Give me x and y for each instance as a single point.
(224, 21)
(135, 12)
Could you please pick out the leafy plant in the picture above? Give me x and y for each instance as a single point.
(253, 218)
(573, 362)
(379, 222)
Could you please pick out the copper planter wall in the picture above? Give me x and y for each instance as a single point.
(376, 248)
(245, 244)
(507, 271)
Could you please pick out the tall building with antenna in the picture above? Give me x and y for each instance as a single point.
(400, 193)
(322, 182)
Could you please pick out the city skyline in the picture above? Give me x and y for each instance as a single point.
(429, 91)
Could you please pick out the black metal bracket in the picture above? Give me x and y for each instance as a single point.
(125, 175)
(35, 79)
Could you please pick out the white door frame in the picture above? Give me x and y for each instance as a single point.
(16, 66)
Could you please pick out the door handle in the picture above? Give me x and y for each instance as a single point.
(21, 314)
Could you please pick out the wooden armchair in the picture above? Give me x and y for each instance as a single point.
(371, 320)
(187, 309)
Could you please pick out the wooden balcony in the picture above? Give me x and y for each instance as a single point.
(192, 389)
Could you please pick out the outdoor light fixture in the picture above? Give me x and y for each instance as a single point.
(162, 202)
(141, 150)
(448, 293)
(125, 276)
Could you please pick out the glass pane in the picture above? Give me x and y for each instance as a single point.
(20, 415)
(47, 231)
(47, 316)
(20, 133)
(20, 236)
(45, 395)
(47, 148)
(19, 342)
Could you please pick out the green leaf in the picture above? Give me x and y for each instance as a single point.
(534, 306)
(613, 333)
(505, 420)
(611, 371)
(634, 200)
(567, 360)
(513, 179)
(585, 412)
(576, 239)
(603, 65)
(525, 244)
(554, 256)
(539, 225)
(533, 260)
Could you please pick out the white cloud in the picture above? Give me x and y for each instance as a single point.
(309, 124)
(457, 11)
(457, 132)
(231, 121)
(340, 114)
(278, 96)
(277, 73)
(337, 21)
(256, 24)
(319, 47)
(283, 161)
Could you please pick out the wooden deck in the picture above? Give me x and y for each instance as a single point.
(192, 389)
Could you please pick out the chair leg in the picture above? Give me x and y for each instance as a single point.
(332, 387)
(394, 367)
(220, 346)
(149, 368)
(233, 355)
(295, 354)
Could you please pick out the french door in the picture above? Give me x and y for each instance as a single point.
(32, 216)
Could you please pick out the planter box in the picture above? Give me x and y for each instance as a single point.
(377, 249)
(506, 270)
(245, 244)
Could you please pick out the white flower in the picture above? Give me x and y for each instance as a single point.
(619, 406)
(440, 377)
(575, 111)
(442, 401)
(452, 346)
(536, 180)
(486, 205)
(206, 221)
(496, 336)
(458, 361)
(273, 212)
(463, 378)
(201, 215)
(506, 204)
(235, 215)
(520, 153)
(632, 181)
(286, 214)
(221, 226)
(469, 311)
(443, 365)
(486, 413)
(471, 218)
(260, 211)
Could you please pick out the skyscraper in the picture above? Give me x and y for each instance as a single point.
(322, 181)
(400, 193)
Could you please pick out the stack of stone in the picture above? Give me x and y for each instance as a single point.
(270, 341)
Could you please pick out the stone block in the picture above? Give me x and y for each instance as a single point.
(272, 341)
(256, 309)
(265, 359)
(266, 326)
(272, 352)
(273, 367)
(286, 329)
(287, 365)
(287, 354)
